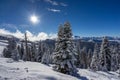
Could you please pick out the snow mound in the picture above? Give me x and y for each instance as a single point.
(36, 71)
(11, 70)
(29, 71)
(99, 75)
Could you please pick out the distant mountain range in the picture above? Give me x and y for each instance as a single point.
(97, 39)
(85, 39)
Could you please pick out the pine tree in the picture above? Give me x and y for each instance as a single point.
(89, 58)
(24, 58)
(7, 52)
(46, 57)
(105, 56)
(26, 48)
(39, 53)
(95, 58)
(19, 51)
(79, 58)
(114, 58)
(118, 54)
(22, 51)
(33, 51)
(64, 55)
(84, 57)
(15, 55)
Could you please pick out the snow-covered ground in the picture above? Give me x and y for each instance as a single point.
(99, 75)
(29, 70)
(11, 70)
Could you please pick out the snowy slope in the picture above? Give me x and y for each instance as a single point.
(10, 70)
(29, 70)
(37, 71)
(99, 75)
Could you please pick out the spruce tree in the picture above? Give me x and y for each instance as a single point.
(15, 55)
(105, 56)
(89, 58)
(22, 50)
(84, 57)
(95, 58)
(7, 52)
(46, 57)
(79, 58)
(33, 51)
(64, 55)
(114, 59)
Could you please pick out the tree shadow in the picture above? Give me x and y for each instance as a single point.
(110, 73)
(50, 78)
(81, 77)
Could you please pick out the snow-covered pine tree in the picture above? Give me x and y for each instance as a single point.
(118, 58)
(46, 57)
(119, 70)
(29, 53)
(89, 58)
(114, 59)
(11, 46)
(84, 57)
(39, 52)
(95, 58)
(105, 55)
(24, 58)
(78, 64)
(19, 51)
(15, 55)
(64, 55)
(33, 51)
(22, 50)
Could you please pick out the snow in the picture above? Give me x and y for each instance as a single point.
(98, 75)
(11, 70)
(29, 70)
(37, 71)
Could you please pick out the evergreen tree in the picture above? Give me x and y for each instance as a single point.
(64, 55)
(118, 54)
(39, 53)
(79, 58)
(95, 58)
(19, 51)
(89, 58)
(15, 55)
(22, 51)
(114, 62)
(46, 57)
(33, 51)
(84, 58)
(105, 56)
(7, 52)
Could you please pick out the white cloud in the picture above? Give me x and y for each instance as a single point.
(31, 37)
(63, 4)
(52, 2)
(53, 10)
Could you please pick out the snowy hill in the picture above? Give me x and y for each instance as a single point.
(29, 70)
(11, 70)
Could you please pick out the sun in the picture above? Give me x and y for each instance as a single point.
(34, 19)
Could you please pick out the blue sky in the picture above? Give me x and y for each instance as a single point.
(87, 17)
